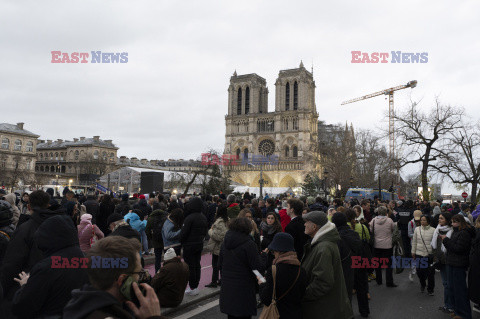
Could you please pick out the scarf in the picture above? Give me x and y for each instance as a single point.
(289, 257)
(122, 223)
(361, 216)
(441, 230)
(267, 229)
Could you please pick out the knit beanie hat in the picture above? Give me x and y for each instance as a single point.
(170, 254)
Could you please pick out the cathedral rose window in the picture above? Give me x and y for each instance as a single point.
(266, 147)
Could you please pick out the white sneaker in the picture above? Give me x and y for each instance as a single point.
(410, 276)
(188, 290)
(192, 292)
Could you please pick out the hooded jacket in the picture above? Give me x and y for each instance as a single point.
(217, 234)
(143, 206)
(238, 257)
(22, 252)
(195, 225)
(89, 302)
(11, 198)
(326, 292)
(135, 222)
(233, 210)
(48, 289)
(86, 231)
(382, 228)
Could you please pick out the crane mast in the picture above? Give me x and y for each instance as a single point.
(391, 116)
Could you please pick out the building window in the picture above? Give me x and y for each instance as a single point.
(239, 101)
(77, 154)
(63, 168)
(18, 145)
(41, 156)
(95, 155)
(29, 147)
(41, 169)
(46, 156)
(245, 153)
(112, 157)
(5, 144)
(295, 96)
(287, 97)
(104, 156)
(247, 100)
(61, 156)
(287, 151)
(29, 165)
(295, 152)
(46, 169)
(56, 156)
(3, 163)
(52, 169)
(51, 156)
(238, 153)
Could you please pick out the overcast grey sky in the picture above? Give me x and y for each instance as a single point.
(170, 99)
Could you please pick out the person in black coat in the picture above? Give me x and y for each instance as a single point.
(119, 227)
(349, 245)
(48, 289)
(290, 278)
(6, 227)
(457, 261)
(22, 251)
(238, 258)
(474, 272)
(123, 207)
(296, 227)
(91, 204)
(106, 208)
(143, 206)
(192, 235)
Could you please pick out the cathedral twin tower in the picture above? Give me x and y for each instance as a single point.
(290, 132)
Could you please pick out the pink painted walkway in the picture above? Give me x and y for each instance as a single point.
(206, 275)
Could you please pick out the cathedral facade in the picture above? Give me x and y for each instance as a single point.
(289, 134)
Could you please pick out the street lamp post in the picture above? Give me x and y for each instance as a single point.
(351, 182)
(261, 181)
(325, 175)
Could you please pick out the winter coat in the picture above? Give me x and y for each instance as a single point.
(11, 199)
(284, 218)
(238, 258)
(210, 213)
(194, 229)
(135, 222)
(156, 219)
(420, 247)
(349, 245)
(233, 210)
(48, 289)
(474, 272)
(290, 306)
(361, 230)
(437, 245)
(170, 236)
(296, 228)
(22, 251)
(217, 234)
(91, 303)
(104, 211)
(91, 204)
(458, 247)
(122, 208)
(170, 282)
(144, 207)
(6, 234)
(383, 228)
(86, 231)
(326, 293)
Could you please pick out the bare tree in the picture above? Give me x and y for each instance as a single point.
(424, 136)
(461, 164)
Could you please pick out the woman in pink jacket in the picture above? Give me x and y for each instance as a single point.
(87, 232)
(382, 229)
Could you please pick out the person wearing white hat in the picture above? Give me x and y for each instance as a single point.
(171, 280)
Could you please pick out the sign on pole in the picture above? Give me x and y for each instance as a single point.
(465, 195)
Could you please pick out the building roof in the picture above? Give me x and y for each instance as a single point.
(76, 142)
(15, 129)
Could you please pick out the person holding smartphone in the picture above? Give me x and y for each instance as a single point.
(114, 291)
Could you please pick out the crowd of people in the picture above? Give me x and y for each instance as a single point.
(65, 257)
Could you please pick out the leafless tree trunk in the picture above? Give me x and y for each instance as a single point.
(424, 136)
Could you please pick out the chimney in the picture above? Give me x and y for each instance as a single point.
(96, 138)
(59, 140)
(82, 138)
(49, 142)
(40, 141)
(108, 142)
(75, 139)
(20, 125)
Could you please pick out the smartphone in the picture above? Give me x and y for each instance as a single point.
(259, 275)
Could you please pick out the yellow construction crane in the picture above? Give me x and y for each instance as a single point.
(391, 112)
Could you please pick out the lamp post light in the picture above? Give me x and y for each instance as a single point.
(261, 181)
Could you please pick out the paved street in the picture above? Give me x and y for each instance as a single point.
(405, 301)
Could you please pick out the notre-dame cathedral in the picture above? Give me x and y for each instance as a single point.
(289, 134)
